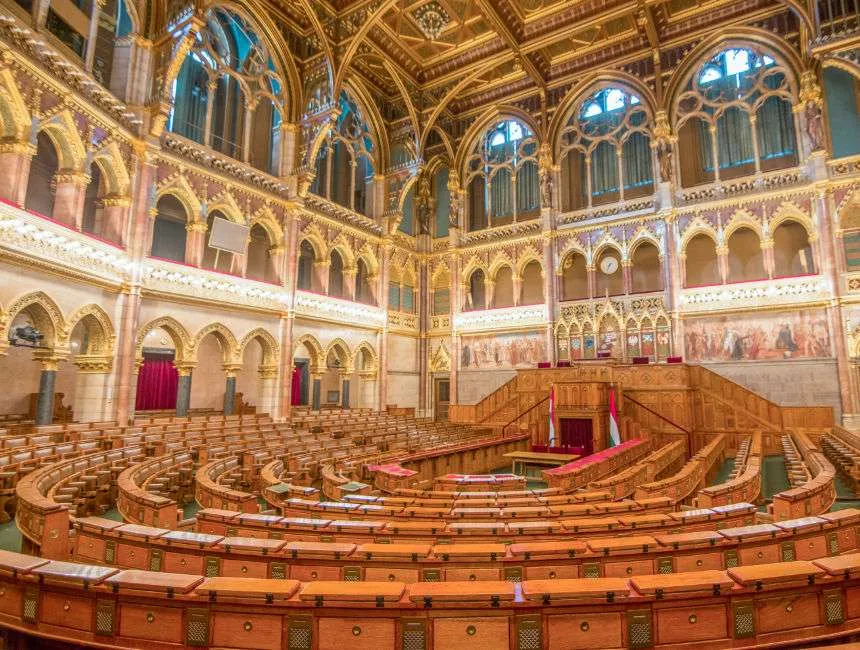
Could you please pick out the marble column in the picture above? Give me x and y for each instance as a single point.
(91, 383)
(230, 388)
(47, 381)
(344, 392)
(15, 160)
(317, 391)
(183, 389)
(142, 217)
(69, 197)
(195, 242)
(267, 391)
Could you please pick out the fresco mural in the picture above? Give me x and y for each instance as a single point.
(520, 350)
(781, 335)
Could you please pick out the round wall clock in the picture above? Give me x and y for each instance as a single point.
(609, 265)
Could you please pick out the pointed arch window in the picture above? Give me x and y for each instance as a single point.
(228, 94)
(606, 150)
(502, 176)
(344, 167)
(734, 118)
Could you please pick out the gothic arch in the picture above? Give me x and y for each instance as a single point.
(102, 338)
(742, 218)
(314, 349)
(271, 349)
(110, 162)
(63, 133)
(341, 350)
(182, 342)
(712, 45)
(46, 315)
(371, 353)
(229, 345)
(181, 189)
(226, 205)
(14, 117)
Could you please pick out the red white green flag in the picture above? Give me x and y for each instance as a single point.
(614, 435)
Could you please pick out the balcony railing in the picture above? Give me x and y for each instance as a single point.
(503, 318)
(751, 295)
(838, 20)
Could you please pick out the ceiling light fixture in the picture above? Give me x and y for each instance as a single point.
(432, 19)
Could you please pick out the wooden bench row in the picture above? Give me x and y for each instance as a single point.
(691, 477)
(817, 494)
(143, 547)
(339, 524)
(746, 606)
(592, 468)
(745, 482)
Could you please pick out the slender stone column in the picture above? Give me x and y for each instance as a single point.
(143, 216)
(382, 345)
(289, 268)
(344, 400)
(183, 389)
(230, 388)
(195, 242)
(317, 390)
(47, 381)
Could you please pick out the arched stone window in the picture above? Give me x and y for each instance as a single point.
(792, 254)
(40, 185)
(746, 260)
(258, 263)
(503, 291)
(701, 266)
(734, 118)
(476, 297)
(574, 277)
(605, 150)
(305, 270)
(228, 94)
(168, 231)
(645, 271)
(335, 275)
(609, 278)
(532, 284)
(502, 176)
(363, 290)
(344, 166)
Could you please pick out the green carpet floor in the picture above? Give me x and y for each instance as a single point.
(722, 474)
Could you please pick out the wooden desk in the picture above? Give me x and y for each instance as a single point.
(523, 459)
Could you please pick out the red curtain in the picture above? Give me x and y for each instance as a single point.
(296, 390)
(577, 433)
(156, 384)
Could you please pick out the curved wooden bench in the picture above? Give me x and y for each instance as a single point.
(623, 482)
(137, 502)
(690, 477)
(340, 523)
(744, 485)
(46, 495)
(816, 495)
(131, 546)
(592, 468)
(743, 606)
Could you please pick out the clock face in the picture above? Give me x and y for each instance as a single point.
(609, 265)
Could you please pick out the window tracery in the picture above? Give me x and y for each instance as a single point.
(502, 176)
(228, 95)
(734, 117)
(605, 150)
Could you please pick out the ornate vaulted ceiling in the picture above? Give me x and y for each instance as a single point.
(415, 56)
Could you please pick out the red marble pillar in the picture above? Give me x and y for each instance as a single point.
(69, 197)
(15, 170)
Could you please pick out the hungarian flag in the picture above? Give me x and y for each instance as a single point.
(552, 416)
(614, 435)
